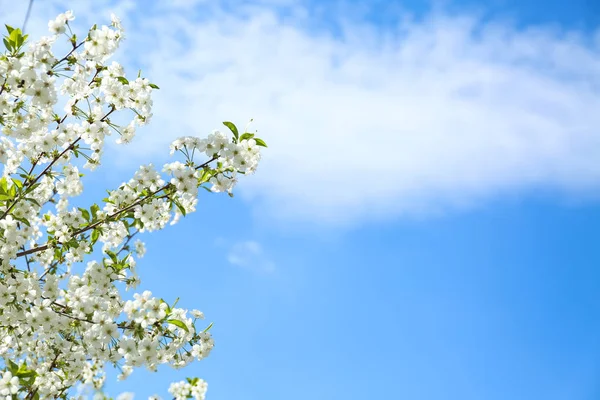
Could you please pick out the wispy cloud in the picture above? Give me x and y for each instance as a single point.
(434, 114)
(249, 254)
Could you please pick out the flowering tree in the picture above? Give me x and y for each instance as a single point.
(64, 269)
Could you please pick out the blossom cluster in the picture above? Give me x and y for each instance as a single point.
(64, 269)
(195, 388)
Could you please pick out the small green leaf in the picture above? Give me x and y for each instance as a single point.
(112, 256)
(9, 28)
(34, 201)
(3, 185)
(95, 236)
(153, 86)
(25, 373)
(15, 37)
(246, 136)
(180, 207)
(94, 209)
(85, 213)
(232, 128)
(18, 183)
(208, 327)
(175, 302)
(123, 80)
(260, 142)
(178, 323)
(206, 175)
(12, 367)
(24, 221)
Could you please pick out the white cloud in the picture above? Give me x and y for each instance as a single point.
(439, 113)
(249, 254)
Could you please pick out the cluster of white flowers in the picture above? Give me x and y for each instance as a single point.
(233, 157)
(60, 328)
(193, 388)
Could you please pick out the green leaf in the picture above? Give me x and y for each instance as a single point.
(12, 367)
(9, 28)
(73, 243)
(260, 142)
(25, 373)
(246, 136)
(208, 327)
(175, 303)
(94, 209)
(123, 80)
(18, 183)
(95, 236)
(232, 128)
(178, 323)
(24, 221)
(206, 175)
(15, 36)
(34, 201)
(85, 213)
(180, 207)
(153, 86)
(112, 256)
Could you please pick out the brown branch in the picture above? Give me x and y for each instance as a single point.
(109, 217)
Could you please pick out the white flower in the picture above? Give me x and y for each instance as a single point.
(125, 396)
(58, 25)
(140, 248)
(9, 384)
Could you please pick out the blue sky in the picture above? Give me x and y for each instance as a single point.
(426, 222)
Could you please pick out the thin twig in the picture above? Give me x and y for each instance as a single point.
(27, 15)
